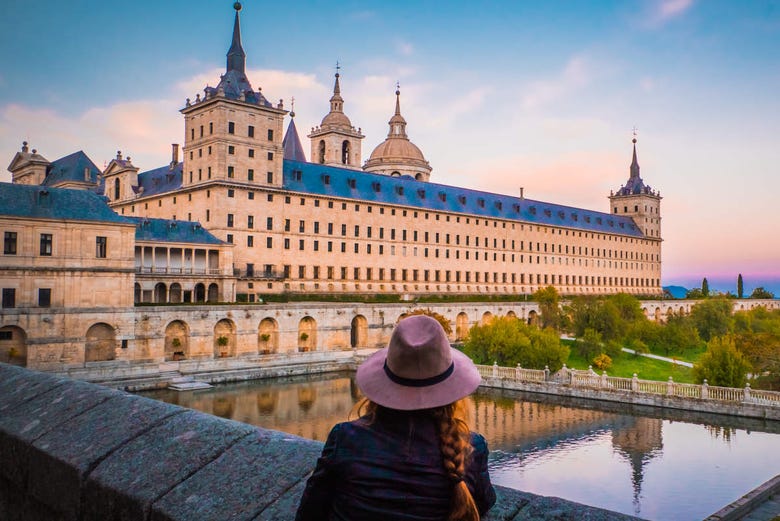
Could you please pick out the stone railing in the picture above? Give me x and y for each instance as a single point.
(79, 451)
(590, 380)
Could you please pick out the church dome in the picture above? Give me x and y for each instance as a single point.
(396, 148)
(336, 119)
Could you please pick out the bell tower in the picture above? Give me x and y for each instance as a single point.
(638, 201)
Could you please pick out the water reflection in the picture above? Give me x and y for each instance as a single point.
(654, 463)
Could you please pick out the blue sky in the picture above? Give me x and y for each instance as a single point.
(499, 95)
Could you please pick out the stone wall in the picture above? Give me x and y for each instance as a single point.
(71, 450)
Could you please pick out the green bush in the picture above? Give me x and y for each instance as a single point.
(722, 364)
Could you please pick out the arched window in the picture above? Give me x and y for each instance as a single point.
(321, 154)
(345, 152)
(116, 189)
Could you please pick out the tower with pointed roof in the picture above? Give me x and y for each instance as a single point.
(233, 133)
(638, 201)
(397, 155)
(336, 142)
(28, 168)
(293, 149)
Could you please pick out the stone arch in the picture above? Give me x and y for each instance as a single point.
(681, 310)
(137, 293)
(174, 293)
(533, 318)
(321, 152)
(487, 318)
(268, 336)
(307, 334)
(266, 401)
(345, 152)
(160, 293)
(213, 295)
(200, 292)
(358, 333)
(101, 343)
(418, 177)
(177, 341)
(511, 314)
(224, 338)
(401, 317)
(461, 326)
(13, 345)
(657, 315)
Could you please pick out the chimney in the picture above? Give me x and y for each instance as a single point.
(174, 155)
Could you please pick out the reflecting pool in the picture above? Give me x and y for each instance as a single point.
(652, 463)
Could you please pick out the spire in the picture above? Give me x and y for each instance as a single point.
(236, 58)
(634, 164)
(397, 122)
(291, 144)
(336, 101)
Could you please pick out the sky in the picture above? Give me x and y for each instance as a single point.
(498, 95)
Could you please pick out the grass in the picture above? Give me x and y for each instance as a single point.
(625, 365)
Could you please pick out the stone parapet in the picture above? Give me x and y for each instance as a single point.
(77, 451)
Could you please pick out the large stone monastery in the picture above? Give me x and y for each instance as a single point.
(239, 213)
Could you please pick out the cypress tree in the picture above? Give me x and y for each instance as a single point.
(705, 287)
(740, 287)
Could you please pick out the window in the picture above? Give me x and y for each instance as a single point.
(287, 225)
(9, 297)
(251, 131)
(270, 135)
(269, 223)
(230, 238)
(9, 243)
(230, 220)
(231, 192)
(250, 221)
(231, 171)
(44, 297)
(269, 177)
(302, 226)
(46, 243)
(250, 241)
(101, 247)
(250, 195)
(231, 127)
(269, 242)
(286, 244)
(251, 152)
(231, 150)
(270, 156)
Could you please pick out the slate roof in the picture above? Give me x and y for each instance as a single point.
(71, 168)
(56, 203)
(167, 230)
(330, 181)
(160, 180)
(635, 185)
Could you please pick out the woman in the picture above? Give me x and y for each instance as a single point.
(411, 455)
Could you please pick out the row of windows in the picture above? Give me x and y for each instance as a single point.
(46, 242)
(231, 129)
(9, 297)
(231, 174)
(416, 275)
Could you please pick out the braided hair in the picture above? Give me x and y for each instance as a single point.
(455, 445)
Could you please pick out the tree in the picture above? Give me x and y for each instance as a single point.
(694, 294)
(760, 292)
(549, 305)
(590, 345)
(510, 341)
(722, 364)
(712, 317)
(740, 287)
(705, 287)
(441, 319)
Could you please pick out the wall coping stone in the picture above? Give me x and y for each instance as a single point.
(73, 450)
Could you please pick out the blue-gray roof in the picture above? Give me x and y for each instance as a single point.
(160, 180)
(292, 144)
(167, 230)
(331, 181)
(72, 168)
(40, 202)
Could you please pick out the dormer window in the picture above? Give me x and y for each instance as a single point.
(516, 208)
(481, 202)
(561, 214)
(587, 218)
(297, 175)
(462, 199)
(548, 212)
(499, 205)
(421, 194)
(532, 210)
(442, 197)
(598, 220)
(376, 186)
(399, 190)
(352, 183)
(325, 179)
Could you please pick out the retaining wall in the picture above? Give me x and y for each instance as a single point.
(71, 450)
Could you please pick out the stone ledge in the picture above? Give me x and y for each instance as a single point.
(76, 451)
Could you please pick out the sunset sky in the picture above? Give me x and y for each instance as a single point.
(498, 95)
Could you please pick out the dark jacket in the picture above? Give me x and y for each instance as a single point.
(390, 469)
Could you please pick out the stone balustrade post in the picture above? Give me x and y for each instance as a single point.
(705, 390)
(670, 386)
(517, 372)
(747, 392)
(635, 383)
(546, 373)
(495, 369)
(603, 382)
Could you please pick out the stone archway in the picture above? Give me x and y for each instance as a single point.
(657, 315)
(13, 346)
(100, 345)
(138, 294)
(461, 326)
(511, 314)
(268, 336)
(224, 339)
(533, 318)
(358, 334)
(213, 295)
(307, 334)
(174, 294)
(487, 318)
(177, 341)
(160, 293)
(200, 292)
